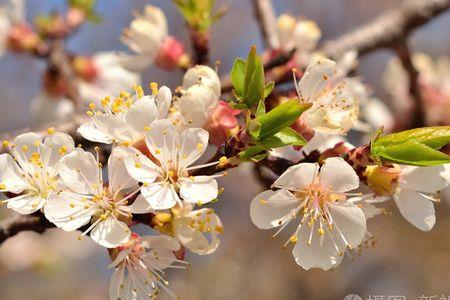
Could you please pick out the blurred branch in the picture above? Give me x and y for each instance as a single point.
(387, 28)
(14, 225)
(265, 15)
(405, 56)
(200, 44)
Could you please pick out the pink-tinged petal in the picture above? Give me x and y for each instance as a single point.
(199, 189)
(297, 177)
(80, 171)
(271, 209)
(160, 196)
(416, 209)
(423, 179)
(110, 233)
(339, 175)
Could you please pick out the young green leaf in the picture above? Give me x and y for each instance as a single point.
(261, 108)
(238, 76)
(254, 79)
(268, 89)
(277, 119)
(287, 136)
(433, 137)
(410, 152)
(251, 152)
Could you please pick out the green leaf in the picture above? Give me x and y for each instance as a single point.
(254, 79)
(239, 106)
(411, 152)
(251, 152)
(287, 136)
(277, 119)
(268, 89)
(238, 76)
(261, 108)
(433, 137)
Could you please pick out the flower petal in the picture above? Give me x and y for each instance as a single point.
(111, 233)
(26, 204)
(271, 209)
(80, 171)
(162, 139)
(119, 178)
(199, 189)
(141, 168)
(163, 101)
(24, 149)
(297, 177)
(59, 144)
(139, 206)
(142, 113)
(11, 175)
(90, 132)
(315, 78)
(423, 179)
(339, 175)
(160, 196)
(194, 142)
(416, 209)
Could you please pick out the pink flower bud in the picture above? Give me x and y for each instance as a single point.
(222, 123)
(170, 53)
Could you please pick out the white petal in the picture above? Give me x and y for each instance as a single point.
(317, 255)
(116, 283)
(297, 177)
(315, 78)
(204, 74)
(416, 209)
(11, 175)
(90, 132)
(160, 196)
(194, 142)
(58, 144)
(141, 168)
(351, 222)
(25, 147)
(119, 179)
(68, 211)
(339, 175)
(162, 140)
(26, 204)
(423, 179)
(142, 113)
(111, 233)
(199, 189)
(80, 171)
(139, 206)
(160, 242)
(271, 209)
(163, 101)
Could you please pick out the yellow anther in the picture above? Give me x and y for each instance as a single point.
(199, 147)
(5, 143)
(171, 173)
(138, 165)
(92, 105)
(72, 205)
(24, 148)
(2, 186)
(154, 88)
(218, 229)
(223, 160)
(97, 148)
(126, 144)
(105, 101)
(321, 231)
(103, 217)
(172, 109)
(87, 206)
(145, 184)
(262, 201)
(293, 239)
(147, 128)
(62, 150)
(139, 91)
(157, 151)
(51, 130)
(90, 113)
(37, 143)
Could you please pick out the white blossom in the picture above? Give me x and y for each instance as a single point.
(329, 222)
(197, 230)
(139, 267)
(166, 172)
(416, 192)
(11, 13)
(87, 200)
(31, 172)
(125, 119)
(335, 106)
(110, 77)
(46, 108)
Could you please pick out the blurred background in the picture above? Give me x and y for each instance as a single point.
(248, 264)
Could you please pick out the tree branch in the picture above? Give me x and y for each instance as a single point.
(265, 15)
(387, 28)
(12, 226)
(405, 56)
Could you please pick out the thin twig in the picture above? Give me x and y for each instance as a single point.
(405, 56)
(265, 15)
(14, 225)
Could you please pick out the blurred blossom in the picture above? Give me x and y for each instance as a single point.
(11, 14)
(46, 108)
